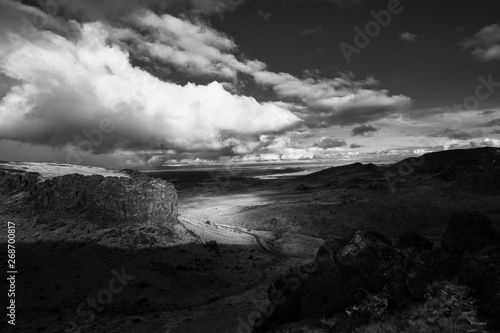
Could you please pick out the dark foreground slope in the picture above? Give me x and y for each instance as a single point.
(365, 283)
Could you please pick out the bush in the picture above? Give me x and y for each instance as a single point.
(211, 245)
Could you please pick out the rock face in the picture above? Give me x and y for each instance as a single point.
(132, 198)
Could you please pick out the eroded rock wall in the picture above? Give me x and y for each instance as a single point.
(133, 199)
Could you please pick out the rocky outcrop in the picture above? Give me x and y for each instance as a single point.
(361, 279)
(356, 280)
(130, 198)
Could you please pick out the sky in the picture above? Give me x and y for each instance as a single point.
(148, 83)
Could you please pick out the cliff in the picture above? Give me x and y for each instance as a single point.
(105, 197)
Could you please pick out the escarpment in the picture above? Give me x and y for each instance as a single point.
(105, 197)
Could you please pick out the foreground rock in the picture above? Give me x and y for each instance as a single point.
(105, 197)
(355, 280)
(364, 279)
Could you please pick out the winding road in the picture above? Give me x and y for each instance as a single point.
(258, 241)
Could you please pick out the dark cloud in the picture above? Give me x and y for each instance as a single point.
(488, 113)
(458, 134)
(494, 122)
(350, 115)
(329, 142)
(111, 10)
(363, 130)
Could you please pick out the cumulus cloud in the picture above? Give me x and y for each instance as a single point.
(363, 130)
(341, 100)
(408, 37)
(194, 48)
(329, 142)
(67, 87)
(486, 142)
(485, 44)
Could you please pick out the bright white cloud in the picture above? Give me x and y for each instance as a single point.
(67, 87)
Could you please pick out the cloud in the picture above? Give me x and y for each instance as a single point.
(312, 31)
(329, 142)
(363, 130)
(342, 100)
(485, 44)
(193, 48)
(355, 146)
(458, 134)
(264, 15)
(494, 122)
(66, 87)
(408, 37)
(109, 10)
(487, 142)
(488, 113)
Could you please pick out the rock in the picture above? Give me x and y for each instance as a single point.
(131, 199)
(414, 240)
(374, 307)
(356, 281)
(467, 231)
(363, 247)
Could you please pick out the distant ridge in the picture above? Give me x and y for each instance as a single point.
(458, 157)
